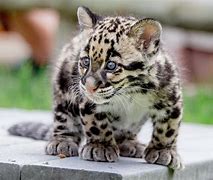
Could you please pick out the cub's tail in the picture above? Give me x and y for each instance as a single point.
(32, 130)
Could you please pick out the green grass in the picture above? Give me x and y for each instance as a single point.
(22, 89)
(198, 105)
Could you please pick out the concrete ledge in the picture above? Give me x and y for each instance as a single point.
(9, 171)
(24, 159)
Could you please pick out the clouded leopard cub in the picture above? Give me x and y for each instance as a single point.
(108, 80)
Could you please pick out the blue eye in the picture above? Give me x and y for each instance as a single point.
(85, 62)
(111, 65)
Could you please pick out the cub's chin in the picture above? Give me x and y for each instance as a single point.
(97, 100)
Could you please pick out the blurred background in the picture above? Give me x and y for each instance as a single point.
(32, 33)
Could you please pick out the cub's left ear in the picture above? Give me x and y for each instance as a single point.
(147, 35)
(86, 18)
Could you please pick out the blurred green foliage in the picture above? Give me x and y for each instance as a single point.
(23, 88)
(198, 105)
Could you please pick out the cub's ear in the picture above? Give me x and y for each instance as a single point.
(86, 18)
(147, 35)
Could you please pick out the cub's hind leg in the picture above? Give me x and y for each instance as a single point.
(67, 130)
(128, 144)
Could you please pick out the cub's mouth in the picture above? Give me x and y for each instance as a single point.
(98, 96)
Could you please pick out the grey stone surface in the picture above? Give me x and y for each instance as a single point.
(24, 159)
(9, 171)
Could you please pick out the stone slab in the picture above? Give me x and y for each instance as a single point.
(9, 171)
(24, 159)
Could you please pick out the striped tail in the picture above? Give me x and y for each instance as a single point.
(32, 130)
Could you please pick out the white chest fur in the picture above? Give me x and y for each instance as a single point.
(131, 110)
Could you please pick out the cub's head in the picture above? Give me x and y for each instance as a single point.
(117, 52)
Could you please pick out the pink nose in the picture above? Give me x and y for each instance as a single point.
(91, 85)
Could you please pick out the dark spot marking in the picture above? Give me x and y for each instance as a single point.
(156, 43)
(170, 132)
(108, 133)
(101, 27)
(149, 85)
(63, 78)
(133, 66)
(87, 48)
(117, 37)
(104, 126)
(117, 21)
(114, 128)
(60, 119)
(74, 109)
(160, 105)
(173, 141)
(111, 52)
(61, 127)
(61, 108)
(88, 134)
(175, 113)
(88, 108)
(100, 116)
(94, 38)
(95, 53)
(115, 53)
(100, 38)
(116, 118)
(94, 123)
(117, 72)
(153, 116)
(173, 97)
(68, 134)
(159, 130)
(82, 121)
(127, 24)
(94, 130)
(106, 41)
(156, 138)
(168, 112)
(82, 112)
(159, 145)
(164, 120)
(165, 74)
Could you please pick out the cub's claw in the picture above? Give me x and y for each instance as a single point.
(168, 157)
(132, 149)
(56, 147)
(99, 152)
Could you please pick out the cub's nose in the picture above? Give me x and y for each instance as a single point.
(92, 84)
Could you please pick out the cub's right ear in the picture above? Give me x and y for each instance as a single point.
(147, 35)
(86, 18)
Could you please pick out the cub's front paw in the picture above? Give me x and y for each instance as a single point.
(132, 149)
(67, 148)
(168, 157)
(99, 152)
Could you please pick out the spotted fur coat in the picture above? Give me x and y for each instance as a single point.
(111, 78)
